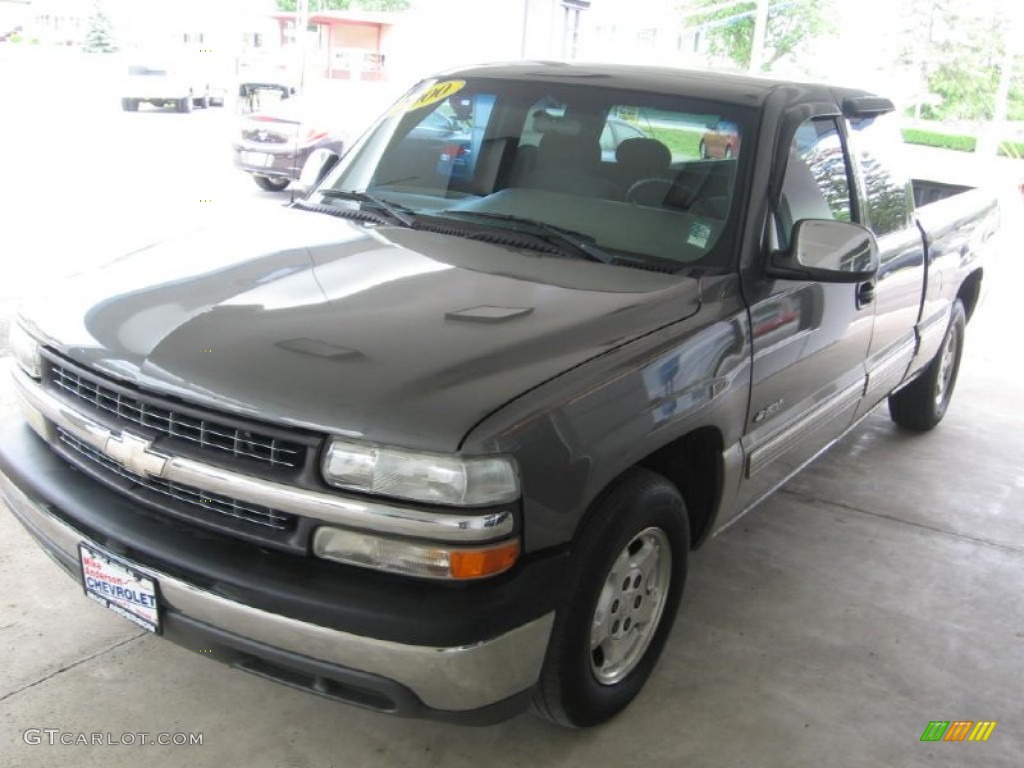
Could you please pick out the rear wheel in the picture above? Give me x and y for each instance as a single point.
(703, 150)
(922, 404)
(185, 104)
(728, 152)
(271, 184)
(130, 105)
(626, 579)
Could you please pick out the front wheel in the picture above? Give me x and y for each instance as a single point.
(185, 104)
(922, 404)
(271, 184)
(626, 580)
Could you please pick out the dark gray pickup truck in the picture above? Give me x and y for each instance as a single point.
(437, 439)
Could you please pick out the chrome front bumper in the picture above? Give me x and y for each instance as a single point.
(446, 680)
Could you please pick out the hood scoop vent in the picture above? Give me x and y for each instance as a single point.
(488, 314)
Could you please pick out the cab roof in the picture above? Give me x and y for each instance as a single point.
(742, 89)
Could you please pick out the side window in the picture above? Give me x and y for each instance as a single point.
(876, 144)
(817, 181)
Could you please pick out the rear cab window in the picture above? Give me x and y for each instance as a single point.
(888, 194)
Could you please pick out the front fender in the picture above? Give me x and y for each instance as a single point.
(575, 434)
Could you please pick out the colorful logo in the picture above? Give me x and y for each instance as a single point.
(958, 730)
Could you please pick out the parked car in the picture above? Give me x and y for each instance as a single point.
(441, 445)
(455, 158)
(181, 84)
(272, 145)
(722, 140)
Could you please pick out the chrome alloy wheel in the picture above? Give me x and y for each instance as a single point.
(630, 605)
(947, 365)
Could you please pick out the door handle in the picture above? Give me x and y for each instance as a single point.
(865, 293)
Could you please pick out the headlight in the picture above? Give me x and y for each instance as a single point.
(412, 558)
(467, 481)
(25, 350)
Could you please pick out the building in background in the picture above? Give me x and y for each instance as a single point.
(653, 32)
(434, 35)
(14, 16)
(44, 22)
(342, 45)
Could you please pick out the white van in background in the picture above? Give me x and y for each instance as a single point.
(183, 82)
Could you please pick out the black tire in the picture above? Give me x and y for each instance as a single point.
(130, 105)
(271, 183)
(922, 404)
(703, 150)
(728, 152)
(184, 105)
(204, 101)
(571, 691)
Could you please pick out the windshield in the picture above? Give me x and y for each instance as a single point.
(647, 177)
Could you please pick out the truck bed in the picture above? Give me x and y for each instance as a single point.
(926, 191)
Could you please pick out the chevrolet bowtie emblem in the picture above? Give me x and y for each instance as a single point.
(134, 454)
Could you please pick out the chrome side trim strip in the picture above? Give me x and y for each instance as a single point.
(932, 328)
(796, 471)
(455, 679)
(330, 508)
(790, 435)
(891, 369)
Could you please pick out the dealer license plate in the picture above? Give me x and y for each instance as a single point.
(120, 588)
(259, 159)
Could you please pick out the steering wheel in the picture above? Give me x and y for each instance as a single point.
(656, 192)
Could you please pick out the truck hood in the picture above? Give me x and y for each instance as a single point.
(396, 335)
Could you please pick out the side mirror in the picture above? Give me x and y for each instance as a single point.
(317, 165)
(827, 251)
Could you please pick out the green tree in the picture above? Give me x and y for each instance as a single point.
(729, 32)
(958, 49)
(1015, 108)
(99, 38)
(347, 5)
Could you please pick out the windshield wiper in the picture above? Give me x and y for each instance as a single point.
(395, 211)
(565, 239)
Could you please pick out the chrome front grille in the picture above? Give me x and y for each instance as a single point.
(165, 420)
(214, 506)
